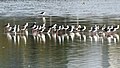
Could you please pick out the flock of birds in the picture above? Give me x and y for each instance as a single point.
(61, 32)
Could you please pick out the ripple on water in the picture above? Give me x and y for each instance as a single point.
(61, 8)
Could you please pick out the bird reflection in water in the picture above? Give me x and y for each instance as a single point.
(16, 38)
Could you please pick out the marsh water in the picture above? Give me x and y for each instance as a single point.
(52, 51)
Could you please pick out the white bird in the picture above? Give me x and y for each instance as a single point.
(72, 28)
(25, 27)
(43, 25)
(34, 25)
(78, 35)
(116, 36)
(9, 29)
(116, 27)
(18, 28)
(7, 25)
(14, 29)
(42, 13)
(72, 35)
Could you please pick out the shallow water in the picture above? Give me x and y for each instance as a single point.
(23, 51)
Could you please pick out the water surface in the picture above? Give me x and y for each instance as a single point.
(23, 51)
(80, 8)
(28, 52)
